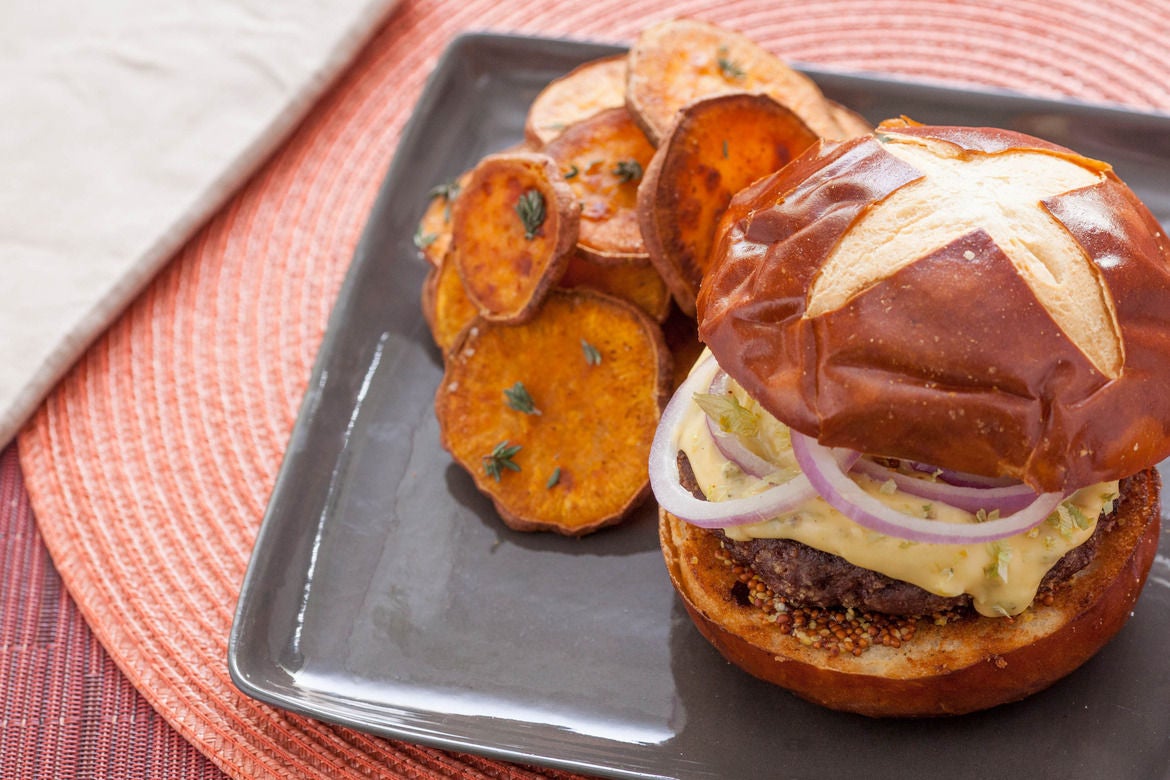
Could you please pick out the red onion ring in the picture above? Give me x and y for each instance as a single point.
(674, 498)
(962, 478)
(729, 444)
(844, 495)
(1006, 499)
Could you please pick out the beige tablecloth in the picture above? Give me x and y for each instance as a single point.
(123, 125)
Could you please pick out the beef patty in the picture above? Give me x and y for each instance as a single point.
(805, 576)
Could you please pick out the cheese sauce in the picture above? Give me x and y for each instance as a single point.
(1002, 577)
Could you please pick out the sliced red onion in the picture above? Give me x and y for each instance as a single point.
(729, 444)
(674, 498)
(843, 494)
(962, 478)
(970, 499)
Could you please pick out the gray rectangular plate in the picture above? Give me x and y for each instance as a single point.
(385, 594)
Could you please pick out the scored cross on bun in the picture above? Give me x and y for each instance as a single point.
(913, 475)
(968, 297)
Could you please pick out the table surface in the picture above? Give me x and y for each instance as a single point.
(86, 693)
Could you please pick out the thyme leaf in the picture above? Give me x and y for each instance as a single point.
(530, 209)
(627, 171)
(448, 191)
(423, 240)
(554, 478)
(730, 70)
(518, 398)
(592, 355)
(500, 458)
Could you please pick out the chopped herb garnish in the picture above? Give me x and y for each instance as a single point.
(553, 479)
(530, 209)
(1078, 516)
(423, 240)
(982, 515)
(447, 190)
(724, 148)
(519, 399)
(1067, 518)
(928, 511)
(728, 413)
(627, 171)
(573, 171)
(727, 66)
(500, 458)
(592, 355)
(1000, 554)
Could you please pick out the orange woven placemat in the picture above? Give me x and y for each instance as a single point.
(150, 465)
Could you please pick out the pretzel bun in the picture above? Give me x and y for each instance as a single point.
(973, 664)
(972, 298)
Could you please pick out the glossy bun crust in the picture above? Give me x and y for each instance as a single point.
(951, 358)
(964, 666)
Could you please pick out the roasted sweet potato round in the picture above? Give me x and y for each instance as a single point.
(445, 304)
(586, 90)
(553, 418)
(513, 226)
(675, 62)
(636, 281)
(603, 159)
(715, 147)
(433, 236)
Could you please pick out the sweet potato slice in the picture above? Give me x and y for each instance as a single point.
(675, 62)
(433, 236)
(603, 159)
(635, 281)
(587, 90)
(715, 147)
(445, 304)
(553, 418)
(513, 226)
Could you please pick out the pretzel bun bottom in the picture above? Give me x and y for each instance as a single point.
(963, 666)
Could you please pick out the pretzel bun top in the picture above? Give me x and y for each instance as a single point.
(972, 298)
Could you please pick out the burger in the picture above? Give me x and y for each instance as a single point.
(912, 473)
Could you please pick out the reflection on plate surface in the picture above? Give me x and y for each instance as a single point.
(385, 594)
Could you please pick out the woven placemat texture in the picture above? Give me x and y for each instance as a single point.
(65, 709)
(150, 465)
